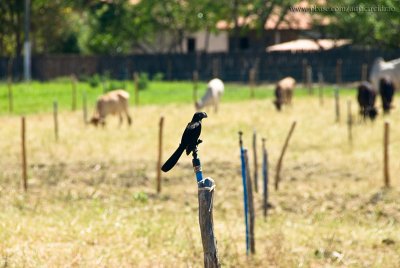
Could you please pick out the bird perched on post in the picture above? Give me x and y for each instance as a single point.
(189, 141)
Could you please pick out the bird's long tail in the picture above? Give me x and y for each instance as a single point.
(170, 163)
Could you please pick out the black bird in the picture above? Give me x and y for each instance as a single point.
(189, 141)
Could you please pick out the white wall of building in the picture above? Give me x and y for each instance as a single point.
(217, 42)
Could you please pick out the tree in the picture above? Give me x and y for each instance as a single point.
(366, 22)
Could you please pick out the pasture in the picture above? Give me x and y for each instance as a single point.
(92, 200)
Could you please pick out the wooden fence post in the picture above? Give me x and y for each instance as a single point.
(320, 86)
(386, 173)
(364, 72)
(84, 107)
(206, 188)
(265, 179)
(339, 64)
(309, 79)
(10, 95)
(349, 122)
(24, 164)
(136, 79)
(195, 80)
(169, 69)
(55, 116)
(252, 79)
(279, 164)
(250, 204)
(73, 82)
(215, 68)
(304, 72)
(160, 139)
(255, 161)
(337, 105)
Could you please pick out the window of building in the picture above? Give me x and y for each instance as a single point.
(244, 43)
(191, 44)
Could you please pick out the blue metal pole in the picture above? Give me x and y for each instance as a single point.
(197, 168)
(246, 221)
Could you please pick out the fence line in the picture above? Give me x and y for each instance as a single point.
(232, 66)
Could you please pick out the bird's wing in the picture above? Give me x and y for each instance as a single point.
(194, 131)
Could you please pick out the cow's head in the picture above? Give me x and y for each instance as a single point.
(372, 113)
(95, 120)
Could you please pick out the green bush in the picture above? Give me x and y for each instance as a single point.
(143, 81)
(158, 76)
(94, 80)
(112, 85)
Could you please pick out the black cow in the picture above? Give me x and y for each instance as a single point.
(366, 99)
(386, 89)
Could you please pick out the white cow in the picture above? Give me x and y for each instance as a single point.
(115, 102)
(215, 89)
(381, 69)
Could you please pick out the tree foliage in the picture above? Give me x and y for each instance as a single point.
(126, 26)
(367, 22)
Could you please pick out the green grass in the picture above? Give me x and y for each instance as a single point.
(37, 97)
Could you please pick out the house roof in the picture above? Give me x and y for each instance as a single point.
(296, 18)
(308, 45)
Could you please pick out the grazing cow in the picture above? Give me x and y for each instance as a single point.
(366, 99)
(114, 102)
(284, 92)
(215, 89)
(381, 69)
(386, 89)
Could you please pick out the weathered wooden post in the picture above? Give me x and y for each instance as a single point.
(73, 83)
(265, 179)
(10, 95)
(55, 116)
(337, 105)
(386, 173)
(320, 86)
(252, 79)
(160, 139)
(24, 164)
(349, 122)
(251, 204)
(195, 80)
(10, 84)
(245, 199)
(84, 107)
(136, 79)
(364, 72)
(339, 64)
(309, 79)
(206, 188)
(255, 161)
(279, 164)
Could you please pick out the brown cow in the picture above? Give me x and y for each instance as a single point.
(114, 102)
(284, 92)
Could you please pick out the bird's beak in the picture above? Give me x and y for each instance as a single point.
(205, 115)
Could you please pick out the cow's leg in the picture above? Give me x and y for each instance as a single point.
(128, 116)
(216, 101)
(103, 122)
(121, 119)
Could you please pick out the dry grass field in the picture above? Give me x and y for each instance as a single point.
(92, 199)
